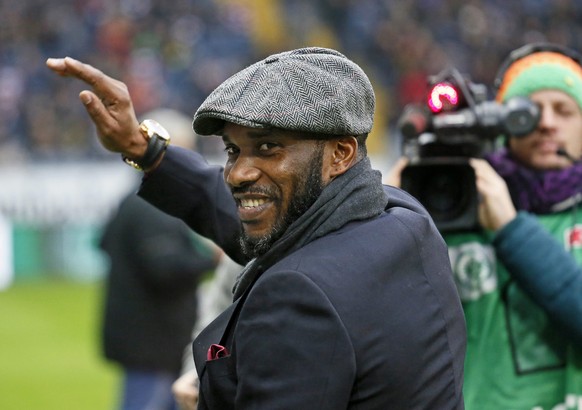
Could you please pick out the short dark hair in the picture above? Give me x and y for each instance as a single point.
(362, 149)
(361, 138)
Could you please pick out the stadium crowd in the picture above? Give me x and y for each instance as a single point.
(173, 54)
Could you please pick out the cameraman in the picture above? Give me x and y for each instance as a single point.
(520, 277)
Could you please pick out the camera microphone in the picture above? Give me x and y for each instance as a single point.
(562, 152)
(517, 117)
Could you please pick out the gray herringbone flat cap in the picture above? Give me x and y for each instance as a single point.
(310, 89)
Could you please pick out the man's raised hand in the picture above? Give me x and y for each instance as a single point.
(109, 105)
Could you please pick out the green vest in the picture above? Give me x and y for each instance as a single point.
(515, 359)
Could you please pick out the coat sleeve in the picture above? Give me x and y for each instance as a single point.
(543, 268)
(292, 348)
(187, 187)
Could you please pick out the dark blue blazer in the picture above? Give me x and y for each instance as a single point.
(364, 318)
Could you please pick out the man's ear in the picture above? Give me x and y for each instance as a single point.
(344, 152)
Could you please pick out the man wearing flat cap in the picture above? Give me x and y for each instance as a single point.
(347, 298)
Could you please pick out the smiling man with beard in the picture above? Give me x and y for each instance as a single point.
(347, 299)
(254, 200)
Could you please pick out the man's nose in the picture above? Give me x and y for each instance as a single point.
(547, 118)
(242, 172)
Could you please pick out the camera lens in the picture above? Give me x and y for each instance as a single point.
(444, 193)
(446, 188)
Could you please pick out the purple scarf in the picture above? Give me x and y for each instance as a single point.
(540, 192)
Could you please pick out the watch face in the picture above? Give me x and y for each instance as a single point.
(152, 127)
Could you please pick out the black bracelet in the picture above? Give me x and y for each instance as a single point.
(156, 146)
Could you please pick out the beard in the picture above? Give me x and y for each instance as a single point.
(308, 189)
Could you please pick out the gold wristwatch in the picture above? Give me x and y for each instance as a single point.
(158, 139)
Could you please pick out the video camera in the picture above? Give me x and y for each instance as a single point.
(456, 123)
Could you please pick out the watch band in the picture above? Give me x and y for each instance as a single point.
(156, 146)
(158, 140)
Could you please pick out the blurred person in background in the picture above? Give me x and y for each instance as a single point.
(150, 299)
(348, 299)
(520, 277)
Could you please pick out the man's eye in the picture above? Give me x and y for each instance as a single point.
(565, 111)
(266, 146)
(230, 150)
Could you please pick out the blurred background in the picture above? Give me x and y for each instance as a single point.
(57, 185)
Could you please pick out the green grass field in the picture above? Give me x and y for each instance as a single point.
(49, 348)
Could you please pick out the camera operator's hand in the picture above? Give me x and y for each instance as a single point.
(393, 177)
(109, 106)
(496, 208)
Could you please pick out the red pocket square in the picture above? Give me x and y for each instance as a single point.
(216, 352)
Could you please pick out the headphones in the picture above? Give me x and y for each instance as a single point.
(528, 49)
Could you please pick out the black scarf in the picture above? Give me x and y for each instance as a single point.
(355, 195)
